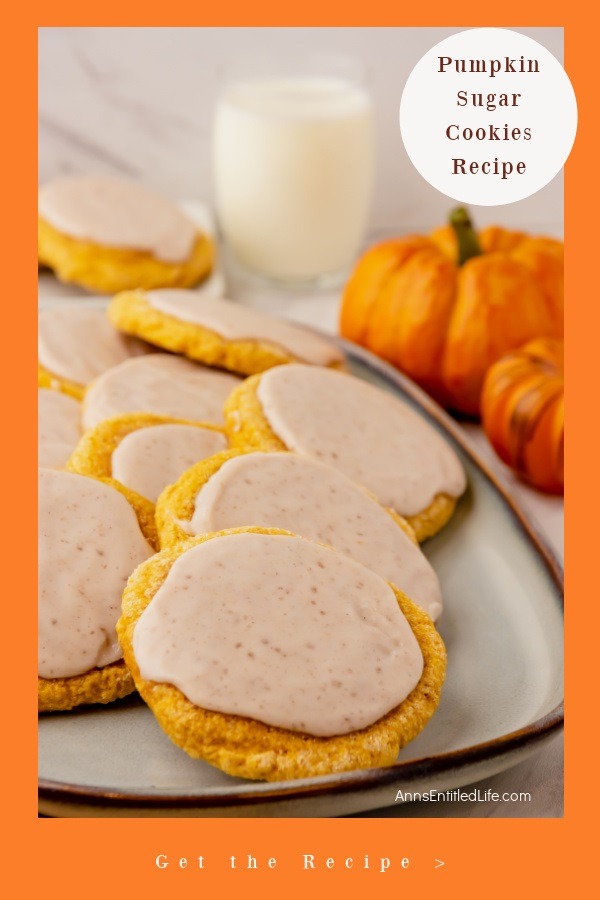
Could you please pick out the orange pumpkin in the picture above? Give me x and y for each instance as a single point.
(443, 308)
(523, 412)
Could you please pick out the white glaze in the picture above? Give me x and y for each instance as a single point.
(79, 343)
(149, 459)
(89, 543)
(117, 213)
(371, 436)
(281, 630)
(159, 383)
(59, 428)
(236, 322)
(298, 494)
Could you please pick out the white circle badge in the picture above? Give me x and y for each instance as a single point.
(488, 116)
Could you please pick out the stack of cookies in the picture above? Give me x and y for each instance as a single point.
(230, 524)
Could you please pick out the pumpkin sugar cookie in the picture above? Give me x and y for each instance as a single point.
(59, 428)
(301, 495)
(159, 383)
(108, 235)
(218, 332)
(273, 657)
(76, 344)
(145, 452)
(369, 435)
(92, 534)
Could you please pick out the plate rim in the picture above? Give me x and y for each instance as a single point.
(362, 779)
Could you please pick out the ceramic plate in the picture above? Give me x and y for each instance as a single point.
(502, 625)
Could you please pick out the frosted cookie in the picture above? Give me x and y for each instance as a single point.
(77, 344)
(371, 436)
(274, 657)
(108, 235)
(59, 428)
(145, 452)
(306, 497)
(162, 384)
(92, 534)
(219, 332)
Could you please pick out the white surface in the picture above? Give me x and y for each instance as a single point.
(139, 102)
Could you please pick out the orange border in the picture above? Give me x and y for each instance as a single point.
(102, 858)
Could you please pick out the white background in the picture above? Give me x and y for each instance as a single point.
(139, 102)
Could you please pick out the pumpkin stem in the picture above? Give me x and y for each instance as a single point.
(468, 245)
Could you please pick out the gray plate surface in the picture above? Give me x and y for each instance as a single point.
(502, 625)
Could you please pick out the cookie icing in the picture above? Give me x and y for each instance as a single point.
(79, 343)
(233, 321)
(59, 428)
(281, 630)
(149, 459)
(89, 543)
(117, 213)
(282, 490)
(159, 383)
(371, 436)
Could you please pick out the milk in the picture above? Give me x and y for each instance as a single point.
(293, 162)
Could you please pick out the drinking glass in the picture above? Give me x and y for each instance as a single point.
(293, 166)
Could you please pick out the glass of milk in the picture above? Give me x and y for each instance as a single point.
(293, 166)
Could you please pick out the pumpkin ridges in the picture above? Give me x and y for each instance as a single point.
(532, 403)
(544, 258)
(558, 439)
(539, 461)
(523, 412)
(508, 370)
(499, 240)
(526, 369)
(504, 296)
(498, 307)
(369, 277)
(520, 434)
(444, 238)
(412, 312)
(546, 469)
(545, 352)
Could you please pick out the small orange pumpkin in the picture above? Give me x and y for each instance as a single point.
(443, 308)
(523, 412)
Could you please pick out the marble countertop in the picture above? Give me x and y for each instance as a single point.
(139, 102)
